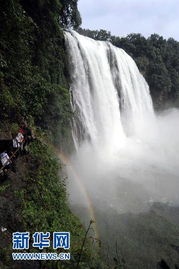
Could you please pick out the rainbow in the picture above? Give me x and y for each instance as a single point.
(63, 158)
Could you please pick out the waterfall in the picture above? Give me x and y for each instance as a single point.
(126, 155)
(110, 98)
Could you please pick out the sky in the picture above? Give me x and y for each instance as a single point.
(123, 17)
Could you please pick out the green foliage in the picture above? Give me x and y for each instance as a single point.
(33, 70)
(101, 35)
(69, 15)
(52, 12)
(45, 198)
(38, 202)
(32, 60)
(34, 85)
(44, 204)
(4, 187)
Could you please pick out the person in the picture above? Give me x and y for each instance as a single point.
(6, 164)
(27, 133)
(5, 161)
(18, 142)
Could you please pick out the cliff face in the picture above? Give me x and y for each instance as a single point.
(33, 71)
(34, 86)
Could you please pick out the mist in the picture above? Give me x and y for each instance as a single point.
(131, 179)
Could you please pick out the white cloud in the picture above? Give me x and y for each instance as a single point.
(123, 17)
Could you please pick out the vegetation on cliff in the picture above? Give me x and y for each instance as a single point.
(34, 199)
(34, 86)
(33, 70)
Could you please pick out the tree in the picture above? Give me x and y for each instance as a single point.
(69, 14)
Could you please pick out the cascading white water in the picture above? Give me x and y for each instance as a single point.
(110, 97)
(125, 157)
